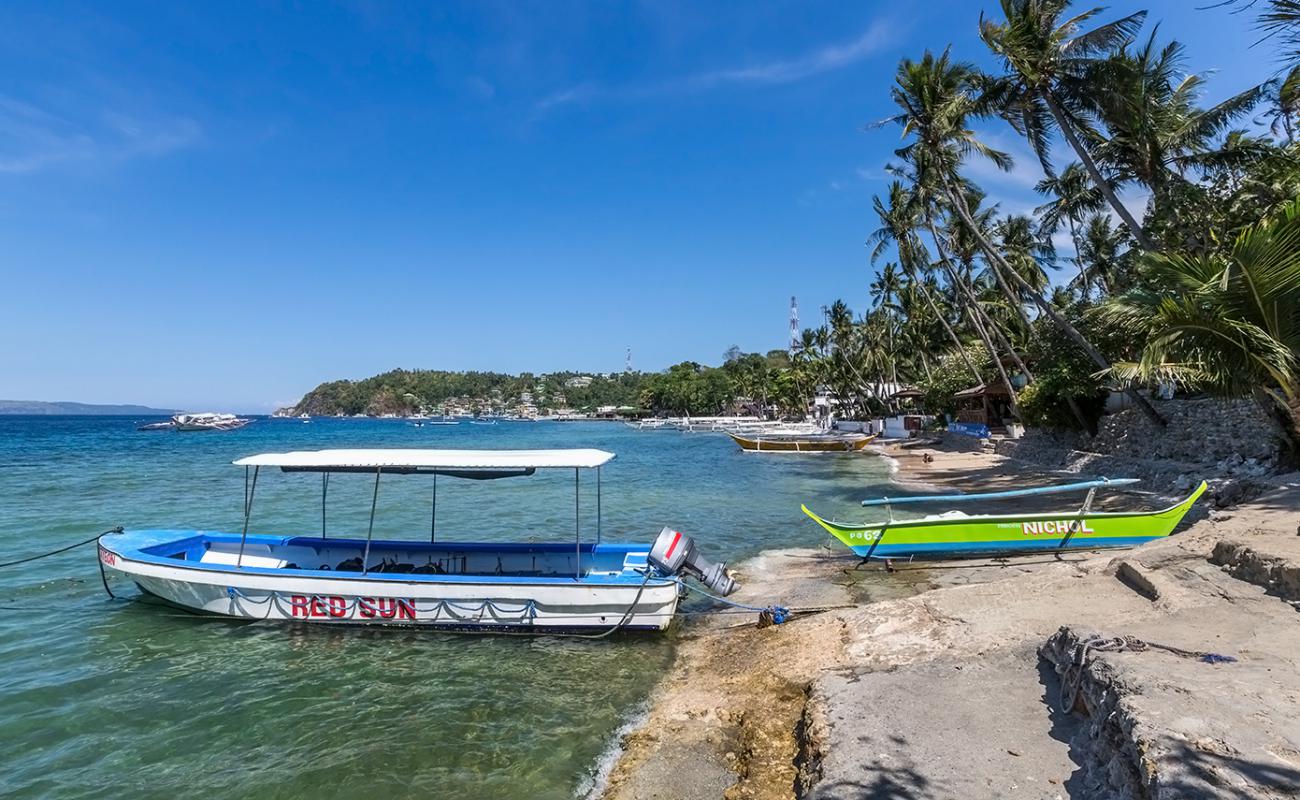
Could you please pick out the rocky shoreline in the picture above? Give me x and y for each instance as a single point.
(948, 680)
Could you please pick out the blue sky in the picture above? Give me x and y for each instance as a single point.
(223, 204)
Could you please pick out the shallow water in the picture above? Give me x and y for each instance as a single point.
(107, 698)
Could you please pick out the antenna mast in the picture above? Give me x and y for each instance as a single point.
(794, 324)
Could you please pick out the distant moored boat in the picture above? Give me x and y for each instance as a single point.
(803, 443)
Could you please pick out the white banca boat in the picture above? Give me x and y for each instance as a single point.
(202, 421)
(521, 587)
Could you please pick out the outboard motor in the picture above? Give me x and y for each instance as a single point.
(674, 552)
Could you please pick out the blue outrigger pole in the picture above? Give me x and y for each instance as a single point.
(1100, 483)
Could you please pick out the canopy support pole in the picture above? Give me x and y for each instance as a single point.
(433, 514)
(370, 531)
(324, 491)
(248, 510)
(577, 531)
(598, 514)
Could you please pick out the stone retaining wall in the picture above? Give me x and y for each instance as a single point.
(1230, 443)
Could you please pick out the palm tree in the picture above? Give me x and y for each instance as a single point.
(1026, 251)
(898, 218)
(937, 98)
(1158, 134)
(1228, 324)
(1076, 198)
(883, 291)
(1041, 52)
(929, 202)
(1280, 20)
(1099, 254)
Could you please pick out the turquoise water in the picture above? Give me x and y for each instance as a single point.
(107, 698)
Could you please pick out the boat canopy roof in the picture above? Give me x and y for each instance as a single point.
(493, 463)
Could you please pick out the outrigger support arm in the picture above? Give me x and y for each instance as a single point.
(433, 513)
(1078, 523)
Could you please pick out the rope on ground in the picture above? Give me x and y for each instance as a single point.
(94, 538)
(1072, 679)
(767, 615)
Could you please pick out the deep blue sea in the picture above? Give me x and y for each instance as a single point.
(104, 699)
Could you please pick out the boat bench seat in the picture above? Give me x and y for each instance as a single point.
(255, 555)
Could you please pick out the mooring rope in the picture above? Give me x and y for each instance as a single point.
(1072, 678)
(94, 538)
(777, 614)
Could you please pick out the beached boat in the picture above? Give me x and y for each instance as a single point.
(956, 533)
(529, 587)
(803, 443)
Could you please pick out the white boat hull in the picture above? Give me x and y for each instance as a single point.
(389, 600)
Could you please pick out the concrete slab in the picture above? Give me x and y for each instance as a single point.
(974, 729)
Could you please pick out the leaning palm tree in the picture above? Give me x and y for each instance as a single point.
(937, 99)
(1027, 251)
(1040, 52)
(898, 227)
(1226, 324)
(928, 204)
(1158, 133)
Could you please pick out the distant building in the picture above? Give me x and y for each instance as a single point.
(578, 382)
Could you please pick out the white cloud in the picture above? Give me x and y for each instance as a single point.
(826, 59)
(781, 71)
(34, 137)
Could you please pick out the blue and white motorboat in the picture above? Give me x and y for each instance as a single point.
(429, 582)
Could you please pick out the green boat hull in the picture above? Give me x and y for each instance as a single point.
(939, 537)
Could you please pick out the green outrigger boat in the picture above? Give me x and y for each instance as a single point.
(956, 533)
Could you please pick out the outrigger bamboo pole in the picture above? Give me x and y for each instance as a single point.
(433, 514)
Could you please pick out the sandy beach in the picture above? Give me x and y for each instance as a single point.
(941, 680)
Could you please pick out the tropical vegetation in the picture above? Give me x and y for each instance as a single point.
(1164, 255)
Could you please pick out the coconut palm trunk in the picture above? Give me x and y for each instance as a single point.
(959, 204)
(1078, 260)
(972, 305)
(943, 320)
(1017, 303)
(973, 314)
(1085, 157)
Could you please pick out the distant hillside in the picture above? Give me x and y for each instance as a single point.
(407, 391)
(41, 407)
